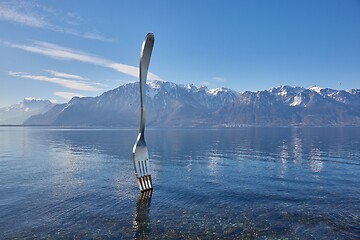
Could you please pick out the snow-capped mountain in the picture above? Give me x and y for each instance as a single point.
(166, 104)
(287, 105)
(16, 114)
(170, 104)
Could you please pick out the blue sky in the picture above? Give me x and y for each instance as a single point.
(58, 49)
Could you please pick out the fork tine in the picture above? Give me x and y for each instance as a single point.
(144, 184)
(143, 168)
(147, 170)
(144, 175)
(150, 182)
(139, 183)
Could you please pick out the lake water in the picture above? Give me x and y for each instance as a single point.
(252, 183)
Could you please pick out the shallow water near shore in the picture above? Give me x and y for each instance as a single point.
(250, 183)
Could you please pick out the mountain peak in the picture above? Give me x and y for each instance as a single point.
(285, 90)
(354, 91)
(216, 91)
(19, 112)
(316, 89)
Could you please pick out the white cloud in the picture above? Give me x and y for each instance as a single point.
(131, 70)
(38, 16)
(12, 13)
(100, 84)
(97, 36)
(72, 84)
(219, 79)
(67, 95)
(59, 52)
(65, 75)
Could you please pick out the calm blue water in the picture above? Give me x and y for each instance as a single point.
(253, 183)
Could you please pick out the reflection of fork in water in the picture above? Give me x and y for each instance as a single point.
(140, 151)
(142, 221)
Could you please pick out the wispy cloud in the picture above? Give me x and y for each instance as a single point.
(59, 52)
(67, 95)
(73, 18)
(97, 36)
(11, 13)
(219, 79)
(100, 84)
(72, 84)
(65, 75)
(38, 16)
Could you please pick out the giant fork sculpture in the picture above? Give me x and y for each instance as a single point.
(140, 151)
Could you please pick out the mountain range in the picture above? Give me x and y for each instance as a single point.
(173, 105)
(16, 114)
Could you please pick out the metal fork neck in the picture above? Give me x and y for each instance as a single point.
(144, 66)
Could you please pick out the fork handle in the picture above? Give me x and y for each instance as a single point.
(146, 51)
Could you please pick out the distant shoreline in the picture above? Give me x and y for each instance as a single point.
(186, 127)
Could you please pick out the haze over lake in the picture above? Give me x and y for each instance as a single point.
(298, 183)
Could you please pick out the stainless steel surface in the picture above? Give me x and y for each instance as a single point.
(140, 151)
